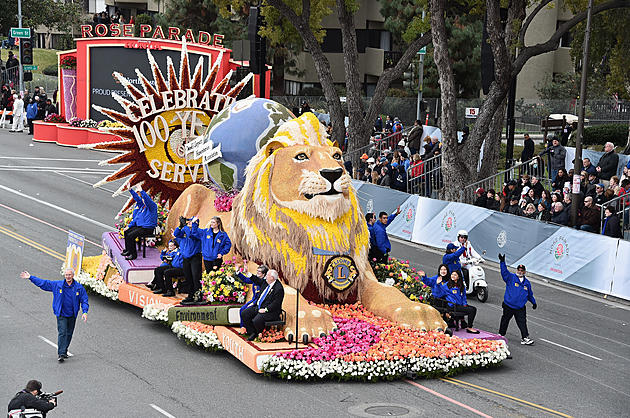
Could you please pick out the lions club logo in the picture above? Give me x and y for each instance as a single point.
(501, 239)
(559, 248)
(449, 221)
(340, 272)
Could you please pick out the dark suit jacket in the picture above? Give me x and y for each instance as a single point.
(273, 300)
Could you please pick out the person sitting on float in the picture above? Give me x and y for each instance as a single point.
(172, 267)
(166, 256)
(456, 297)
(143, 222)
(436, 282)
(451, 258)
(245, 276)
(215, 243)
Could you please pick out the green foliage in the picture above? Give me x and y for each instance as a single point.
(617, 133)
(609, 45)
(561, 86)
(51, 70)
(56, 15)
(464, 45)
(394, 92)
(142, 19)
(403, 18)
(203, 15)
(311, 91)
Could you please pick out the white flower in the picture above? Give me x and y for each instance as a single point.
(390, 281)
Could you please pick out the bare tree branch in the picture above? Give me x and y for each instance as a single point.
(528, 21)
(552, 44)
(392, 74)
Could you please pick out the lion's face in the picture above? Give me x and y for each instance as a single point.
(312, 180)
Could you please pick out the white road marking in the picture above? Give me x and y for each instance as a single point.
(48, 159)
(60, 209)
(161, 411)
(47, 341)
(84, 182)
(570, 349)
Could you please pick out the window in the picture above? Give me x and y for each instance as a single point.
(332, 41)
(565, 41)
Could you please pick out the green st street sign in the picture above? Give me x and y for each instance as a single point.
(20, 32)
(29, 67)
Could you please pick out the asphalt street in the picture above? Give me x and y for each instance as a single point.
(126, 366)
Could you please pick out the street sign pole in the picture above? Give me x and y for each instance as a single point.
(20, 47)
(576, 196)
(420, 77)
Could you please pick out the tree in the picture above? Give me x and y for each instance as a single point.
(510, 55)
(202, 15)
(53, 14)
(608, 54)
(305, 17)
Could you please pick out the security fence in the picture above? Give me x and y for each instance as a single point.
(533, 167)
(424, 178)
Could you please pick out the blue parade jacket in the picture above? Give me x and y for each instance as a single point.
(516, 293)
(79, 295)
(452, 260)
(145, 213)
(380, 234)
(212, 247)
(188, 244)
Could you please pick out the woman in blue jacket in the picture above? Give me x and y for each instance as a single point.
(190, 249)
(456, 297)
(215, 243)
(436, 282)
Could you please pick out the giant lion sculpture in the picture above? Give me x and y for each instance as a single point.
(296, 210)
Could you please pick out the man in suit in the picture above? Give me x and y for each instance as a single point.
(267, 308)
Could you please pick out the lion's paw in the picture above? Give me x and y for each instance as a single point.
(313, 322)
(420, 316)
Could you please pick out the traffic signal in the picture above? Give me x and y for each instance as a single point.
(408, 77)
(26, 51)
(28, 76)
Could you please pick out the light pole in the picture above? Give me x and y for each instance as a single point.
(576, 198)
(420, 75)
(21, 88)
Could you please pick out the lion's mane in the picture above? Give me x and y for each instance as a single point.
(266, 231)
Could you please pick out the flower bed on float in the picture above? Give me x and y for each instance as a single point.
(364, 347)
(220, 286)
(367, 347)
(99, 275)
(407, 279)
(195, 333)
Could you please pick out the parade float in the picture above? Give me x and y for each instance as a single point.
(280, 187)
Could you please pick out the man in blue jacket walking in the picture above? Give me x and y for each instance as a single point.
(518, 290)
(68, 295)
(381, 240)
(143, 222)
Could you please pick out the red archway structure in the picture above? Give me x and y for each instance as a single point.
(98, 58)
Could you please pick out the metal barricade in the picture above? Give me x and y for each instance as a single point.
(533, 167)
(425, 177)
(620, 206)
(11, 76)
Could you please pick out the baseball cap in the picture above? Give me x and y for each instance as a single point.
(370, 160)
(364, 157)
(451, 246)
(521, 267)
(480, 190)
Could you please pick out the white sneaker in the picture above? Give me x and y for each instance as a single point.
(527, 341)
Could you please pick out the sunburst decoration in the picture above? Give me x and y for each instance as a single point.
(136, 164)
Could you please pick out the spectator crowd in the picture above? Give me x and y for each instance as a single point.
(599, 188)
